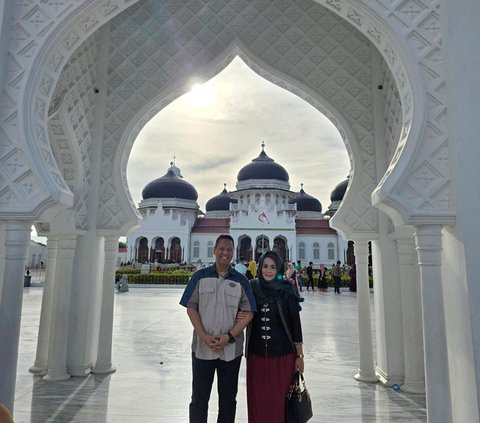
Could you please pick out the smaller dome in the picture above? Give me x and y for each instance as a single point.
(170, 186)
(220, 202)
(339, 191)
(306, 202)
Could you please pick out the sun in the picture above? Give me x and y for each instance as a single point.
(201, 95)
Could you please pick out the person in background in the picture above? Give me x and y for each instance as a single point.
(310, 276)
(337, 276)
(274, 350)
(251, 272)
(240, 266)
(320, 277)
(298, 268)
(213, 297)
(291, 276)
(353, 278)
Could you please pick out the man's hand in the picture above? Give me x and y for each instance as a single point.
(212, 342)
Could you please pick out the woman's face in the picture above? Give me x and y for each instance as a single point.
(269, 269)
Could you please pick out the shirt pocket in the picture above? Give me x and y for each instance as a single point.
(206, 289)
(233, 295)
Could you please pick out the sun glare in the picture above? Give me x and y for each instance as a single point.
(201, 95)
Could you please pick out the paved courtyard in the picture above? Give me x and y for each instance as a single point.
(151, 351)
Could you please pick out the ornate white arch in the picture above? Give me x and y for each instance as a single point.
(74, 23)
(156, 104)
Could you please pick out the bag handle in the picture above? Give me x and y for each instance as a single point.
(285, 326)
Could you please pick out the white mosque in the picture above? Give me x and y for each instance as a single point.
(261, 214)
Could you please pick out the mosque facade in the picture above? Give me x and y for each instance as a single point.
(262, 214)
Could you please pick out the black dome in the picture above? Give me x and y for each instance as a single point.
(339, 191)
(306, 202)
(220, 202)
(263, 167)
(170, 186)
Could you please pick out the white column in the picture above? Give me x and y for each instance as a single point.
(41, 360)
(388, 307)
(429, 248)
(58, 343)
(414, 381)
(85, 306)
(104, 356)
(366, 370)
(17, 238)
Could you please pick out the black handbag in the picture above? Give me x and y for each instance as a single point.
(298, 405)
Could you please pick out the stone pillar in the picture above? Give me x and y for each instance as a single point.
(41, 360)
(388, 307)
(414, 381)
(429, 247)
(17, 239)
(85, 306)
(58, 343)
(104, 356)
(366, 370)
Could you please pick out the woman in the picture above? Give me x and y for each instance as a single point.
(274, 342)
(353, 278)
(291, 276)
(251, 270)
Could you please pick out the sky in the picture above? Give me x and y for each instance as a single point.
(217, 128)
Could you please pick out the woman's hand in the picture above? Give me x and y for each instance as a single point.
(299, 365)
(240, 316)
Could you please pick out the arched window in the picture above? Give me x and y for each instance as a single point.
(301, 250)
(210, 249)
(316, 251)
(176, 250)
(196, 249)
(142, 256)
(159, 250)
(331, 251)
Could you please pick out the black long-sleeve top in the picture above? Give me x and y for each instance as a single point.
(266, 334)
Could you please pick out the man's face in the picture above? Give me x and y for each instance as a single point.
(223, 252)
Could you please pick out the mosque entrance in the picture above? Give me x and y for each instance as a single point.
(176, 252)
(262, 245)
(245, 248)
(159, 250)
(280, 247)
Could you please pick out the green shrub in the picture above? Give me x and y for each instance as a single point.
(175, 277)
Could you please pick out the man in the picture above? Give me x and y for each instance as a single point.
(310, 276)
(213, 297)
(240, 266)
(337, 276)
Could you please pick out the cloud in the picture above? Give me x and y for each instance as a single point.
(212, 143)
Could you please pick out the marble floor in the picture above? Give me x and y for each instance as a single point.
(151, 351)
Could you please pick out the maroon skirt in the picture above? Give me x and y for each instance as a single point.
(268, 380)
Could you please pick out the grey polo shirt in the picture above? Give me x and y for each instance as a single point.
(218, 300)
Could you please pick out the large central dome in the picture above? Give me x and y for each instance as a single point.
(263, 167)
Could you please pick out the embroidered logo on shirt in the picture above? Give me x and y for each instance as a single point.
(231, 285)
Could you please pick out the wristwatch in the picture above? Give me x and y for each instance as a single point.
(231, 338)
